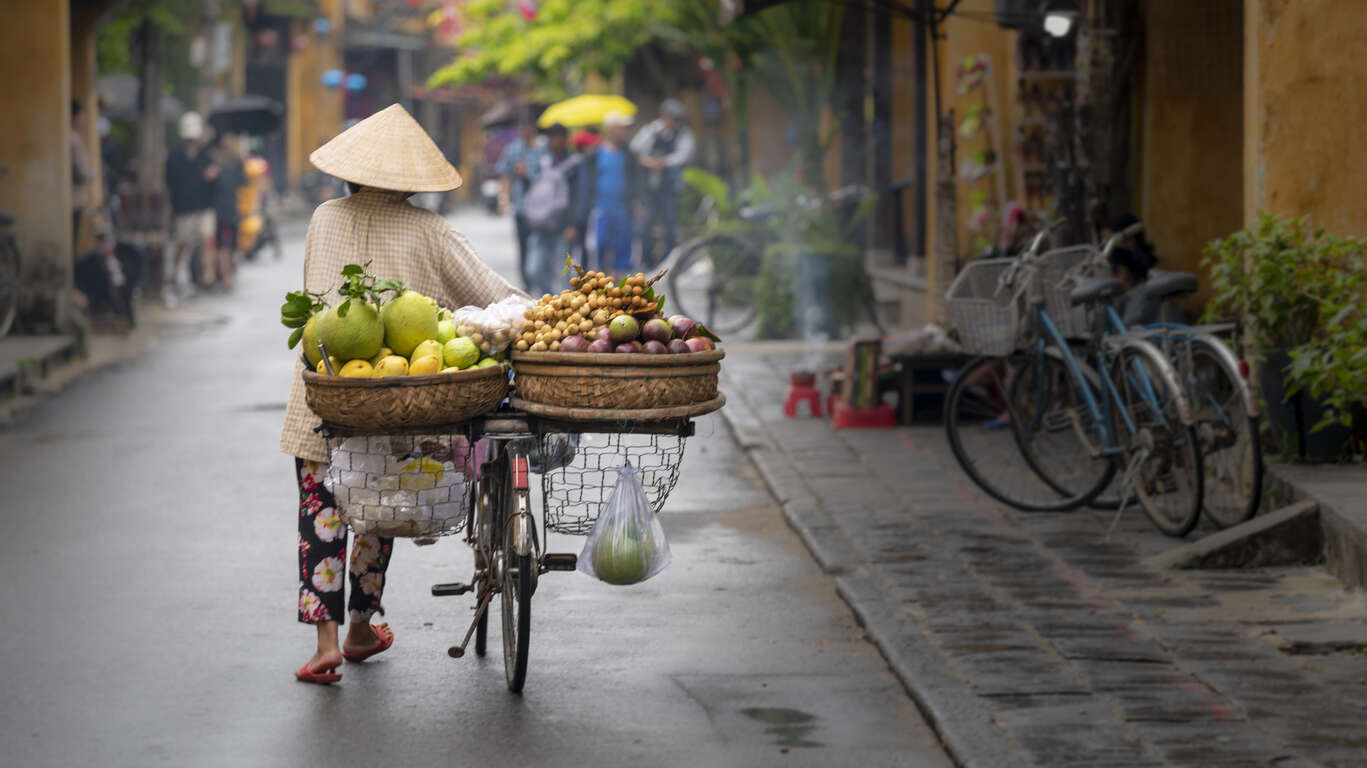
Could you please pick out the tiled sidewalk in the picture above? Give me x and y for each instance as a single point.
(1035, 639)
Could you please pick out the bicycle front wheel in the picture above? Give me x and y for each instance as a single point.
(1230, 451)
(714, 280)
(983, 427)
(1162, 453)
(1059, 432)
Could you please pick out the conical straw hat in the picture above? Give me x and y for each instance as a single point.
(387, 150)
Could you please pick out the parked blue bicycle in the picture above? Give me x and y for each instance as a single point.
(1045, 424)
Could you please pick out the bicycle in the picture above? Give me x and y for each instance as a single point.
(10, 265)
(500, 524)
(714, 278)
(1072, 423)
(1225, 409)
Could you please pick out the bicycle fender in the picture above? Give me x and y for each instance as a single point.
(1169, 374)
(1231, 363)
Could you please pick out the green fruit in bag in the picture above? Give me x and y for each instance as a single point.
(621, 559)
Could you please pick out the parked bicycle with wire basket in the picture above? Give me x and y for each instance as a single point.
(1042, 425)
(1215, 379)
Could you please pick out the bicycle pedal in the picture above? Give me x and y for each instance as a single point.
(561, 562)
(454, 588)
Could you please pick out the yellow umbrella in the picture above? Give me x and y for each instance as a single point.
(588, 109)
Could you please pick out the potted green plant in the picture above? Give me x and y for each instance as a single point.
(1297, 293)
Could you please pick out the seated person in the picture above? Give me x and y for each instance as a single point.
(1131, 261)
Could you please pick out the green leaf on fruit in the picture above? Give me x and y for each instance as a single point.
(294, 337)
(703, 330)
(353, 270)
(344, 308)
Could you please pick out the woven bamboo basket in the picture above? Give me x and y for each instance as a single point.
(400, 402)
(617, 381)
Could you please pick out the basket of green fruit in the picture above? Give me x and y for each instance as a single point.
(392, 363)
(604, 346)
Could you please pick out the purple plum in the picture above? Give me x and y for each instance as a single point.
(678, 346)
(599, 346)
(656, 330)
(629, 346)
(604, 333)
(699, 344)
(682, 325)
(654, 347)
(574, 344)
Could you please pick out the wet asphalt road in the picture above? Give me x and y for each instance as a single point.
(149, 600)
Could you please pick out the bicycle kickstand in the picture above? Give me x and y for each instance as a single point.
(457, 651)
(1127, 487)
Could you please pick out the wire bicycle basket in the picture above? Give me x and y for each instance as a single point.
(409, 486)
(989, 316)
(574, 492)
(1057, 287)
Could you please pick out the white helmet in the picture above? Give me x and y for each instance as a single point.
(191, 127)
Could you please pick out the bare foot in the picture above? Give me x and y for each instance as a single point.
(361, 637)
(325, 660)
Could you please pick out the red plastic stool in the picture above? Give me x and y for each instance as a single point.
(802, 388)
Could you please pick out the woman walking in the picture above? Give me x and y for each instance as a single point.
(384, 159)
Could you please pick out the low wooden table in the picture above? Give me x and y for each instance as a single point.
(920, 375)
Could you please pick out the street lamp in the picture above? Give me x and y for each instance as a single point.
(1059, 16)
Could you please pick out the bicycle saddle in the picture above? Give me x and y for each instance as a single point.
(1162, 284)
(1090, 289)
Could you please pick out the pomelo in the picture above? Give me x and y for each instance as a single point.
(358, 336)
(487, 362)
(620, 560)
(310, 339)
(409, 319)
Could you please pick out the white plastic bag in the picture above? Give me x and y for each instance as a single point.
(627, 544)
(494, 327)
(400, 485)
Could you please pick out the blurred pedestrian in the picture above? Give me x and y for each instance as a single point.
(664, 147)
(81, 173)
(585, 142)
(552, 207)
(384, 159)
(516, 167)
(189, 177)
(232, 176)
(612, 184)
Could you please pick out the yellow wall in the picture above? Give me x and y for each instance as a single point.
(1306, 124)
(965, 35)
(35, 57)
(313, 113)
(1191, 166)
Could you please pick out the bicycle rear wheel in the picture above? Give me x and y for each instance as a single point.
(1231, 454)
(516, 578)
(9, 283)
(714, 280)
(1059, 436)
(982, 424)
(1167, 477)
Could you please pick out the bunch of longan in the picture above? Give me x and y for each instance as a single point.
(592, 301)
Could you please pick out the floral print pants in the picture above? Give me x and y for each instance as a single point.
(322, 552)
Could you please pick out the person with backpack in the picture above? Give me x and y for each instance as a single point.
(553, 209)
(664, 147)
(609, 187)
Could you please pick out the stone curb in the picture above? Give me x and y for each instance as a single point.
(963, 724)
(1342, 524)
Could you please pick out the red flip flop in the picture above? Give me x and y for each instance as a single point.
(323, 676)
(386, 639)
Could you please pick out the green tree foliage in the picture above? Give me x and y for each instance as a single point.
(566, 40)
(113, 48)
